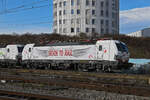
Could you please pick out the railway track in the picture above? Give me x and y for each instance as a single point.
(109, 78)
(129, 89)
(117, 83)
(6, 98)
(11, 96)
(76, 74)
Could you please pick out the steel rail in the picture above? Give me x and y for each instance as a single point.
(115, 88)
(33, 96)
(6, 98)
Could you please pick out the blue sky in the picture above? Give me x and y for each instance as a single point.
(134, 15)
(130, 4)
(27, 17)
(21, 20)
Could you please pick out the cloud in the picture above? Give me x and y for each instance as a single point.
(134, 19)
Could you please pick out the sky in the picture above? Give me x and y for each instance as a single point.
(134, 15)
(35, 16)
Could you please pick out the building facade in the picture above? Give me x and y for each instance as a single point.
(71, 17)
(142, 33)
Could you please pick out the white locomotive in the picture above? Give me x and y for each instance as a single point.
(94, 55)
(11, 55)
(100, 55)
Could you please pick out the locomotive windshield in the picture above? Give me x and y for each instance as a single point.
(122, 47)
(20, 49)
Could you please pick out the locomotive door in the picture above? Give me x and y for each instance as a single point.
(100, 52)
(8, 53)
(30, 52)
(27, 52)
(103, 51)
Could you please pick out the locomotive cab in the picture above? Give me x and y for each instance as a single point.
(14, 54)
(114, 53)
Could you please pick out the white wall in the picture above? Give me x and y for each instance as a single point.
(82, 17)
(142, 33)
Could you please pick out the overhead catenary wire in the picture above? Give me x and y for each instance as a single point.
(26, 6)
(23, 7)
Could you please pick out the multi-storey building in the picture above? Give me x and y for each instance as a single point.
(71, 17)
(142, 33)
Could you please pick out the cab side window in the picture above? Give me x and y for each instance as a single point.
(29, 49)
(8, 50)
(100, 48)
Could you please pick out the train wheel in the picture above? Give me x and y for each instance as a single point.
(82, 68)
(106, 68)
(75, 68)
(28, 66)
(49, 66)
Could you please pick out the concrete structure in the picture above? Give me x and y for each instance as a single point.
(142, 33)
(72, 17)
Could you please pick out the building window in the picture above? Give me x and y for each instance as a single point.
(93, 30)
(102, 13)
(113, 15)
(87, 30)
(60, 13)
(72, 30)
(107, 13)
(78, 2)
(107, 23)
(72, 2)
(78, 29)
(72, 11)
(113, 6)
(93, 12)
(93, 21)
(78, 11)
(64, 21)
(113, 24)
(87, 2)
(60, 4)
(102, 22)
(60, 22)
(107, 31)
(93, 2)
(64, 12)
(64, 3)
(55, 5)
(107, 4)
(102, 4)
(102, 31)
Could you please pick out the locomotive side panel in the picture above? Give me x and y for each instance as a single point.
(84, 52)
